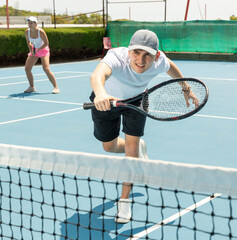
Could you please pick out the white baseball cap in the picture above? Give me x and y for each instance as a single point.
(32, 19)
(146, 40)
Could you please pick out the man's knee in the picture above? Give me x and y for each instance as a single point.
(108, 147)
(115, 146)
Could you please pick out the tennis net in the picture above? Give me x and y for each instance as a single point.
(54, 194)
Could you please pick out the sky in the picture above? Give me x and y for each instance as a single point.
(155, 11)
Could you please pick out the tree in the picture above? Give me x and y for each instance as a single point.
(81, 19)
(15, 12)
(96, 18)
(233, 18)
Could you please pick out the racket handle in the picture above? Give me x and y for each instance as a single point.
(91, 105)
(34, 47)
(87, 106)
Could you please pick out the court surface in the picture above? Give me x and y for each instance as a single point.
(42, 119)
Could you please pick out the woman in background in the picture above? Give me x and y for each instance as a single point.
(38, 45)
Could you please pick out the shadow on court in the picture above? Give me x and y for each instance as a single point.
(92, 225)
(22, 94)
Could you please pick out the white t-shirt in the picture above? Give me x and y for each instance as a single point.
(124, 81)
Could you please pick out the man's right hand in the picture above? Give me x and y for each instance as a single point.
(102, 102)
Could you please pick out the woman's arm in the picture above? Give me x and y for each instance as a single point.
(44, 37)
(29, 44)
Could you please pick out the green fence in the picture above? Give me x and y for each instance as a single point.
(190, 36)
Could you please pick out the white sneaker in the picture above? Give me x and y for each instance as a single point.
(124, 211)
(30, 89)
(142, 150)
(56, 90)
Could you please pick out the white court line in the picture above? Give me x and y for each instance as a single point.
(218, 79)
(76, 72)
(20, 76)
(43, 80)
(39, 116)
(40, 100)
(219, 117)
(174, 217)
(52, 64)
(80, 104)
(162, 76)
(195, 115)
(40, 74)
(205, 78)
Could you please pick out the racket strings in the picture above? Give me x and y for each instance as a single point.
(169, 101)
(145, 103)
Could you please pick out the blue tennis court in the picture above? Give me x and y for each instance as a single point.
(42, 119)
(45, 120)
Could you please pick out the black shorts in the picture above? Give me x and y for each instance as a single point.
(107, 124)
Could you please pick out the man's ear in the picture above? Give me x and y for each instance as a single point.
(157, 56)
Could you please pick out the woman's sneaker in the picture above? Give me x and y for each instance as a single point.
(55, 91)
(30, 89)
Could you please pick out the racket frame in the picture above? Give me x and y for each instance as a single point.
(127, 102)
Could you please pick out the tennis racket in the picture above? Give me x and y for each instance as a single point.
(171, 100)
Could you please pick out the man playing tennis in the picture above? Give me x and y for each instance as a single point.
(124, 73)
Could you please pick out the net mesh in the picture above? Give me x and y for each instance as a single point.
(186, 36)
(51, 194)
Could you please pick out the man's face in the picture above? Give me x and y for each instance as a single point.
(141, 60)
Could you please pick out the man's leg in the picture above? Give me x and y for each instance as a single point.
(131, 150)
(115, 146)
(129, 146)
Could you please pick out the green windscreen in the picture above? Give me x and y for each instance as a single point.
(190, 36)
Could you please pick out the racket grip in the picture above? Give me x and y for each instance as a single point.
(34, 47)
(91, 105)
(87, 106)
